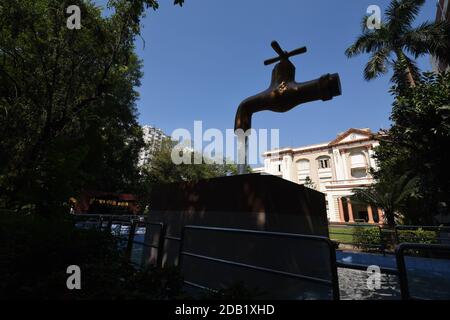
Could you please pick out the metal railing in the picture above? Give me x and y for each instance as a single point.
(363, 267)
(106, 223)
(356, 235)
(429, 234)
(350, 181)
(432, 251)
(333, 283)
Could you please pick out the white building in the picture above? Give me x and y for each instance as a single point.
(334, 168)
(442, 14)
(153, 138)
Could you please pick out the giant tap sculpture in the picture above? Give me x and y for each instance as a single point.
(283, 94)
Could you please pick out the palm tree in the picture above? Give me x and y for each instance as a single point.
(396, 38)
(389, 196)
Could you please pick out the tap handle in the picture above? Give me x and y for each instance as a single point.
(283, 54)
(270, 61)
(297, 52)
(276, 46)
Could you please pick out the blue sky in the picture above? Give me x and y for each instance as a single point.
(201, 60)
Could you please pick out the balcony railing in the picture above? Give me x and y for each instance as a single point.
(355, 181)
(359, 165)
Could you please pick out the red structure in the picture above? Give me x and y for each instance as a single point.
(106, 203)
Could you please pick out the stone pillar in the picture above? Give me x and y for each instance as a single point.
(380, 216)
(350, 211)
(370, 213)
(341, 210)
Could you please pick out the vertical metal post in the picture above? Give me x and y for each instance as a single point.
(130, 241)
(109, 226)
(404, 288)
(180, 247)
(334, 271)
(161, 242)
(147, 248)
(397, 238)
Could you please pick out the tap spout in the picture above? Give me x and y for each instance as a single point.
(284, 94)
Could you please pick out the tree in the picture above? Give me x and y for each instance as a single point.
(68, 115)
(161, 168)
(417, 144)
(390, 196)
(396, 38)
(309, 183)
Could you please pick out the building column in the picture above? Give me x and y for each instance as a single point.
(350, 211)
(380, 216)
(341, 210)
(370, 213)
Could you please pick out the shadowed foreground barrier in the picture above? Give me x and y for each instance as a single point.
(251, 202)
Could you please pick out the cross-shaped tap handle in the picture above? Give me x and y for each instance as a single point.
(283, 54)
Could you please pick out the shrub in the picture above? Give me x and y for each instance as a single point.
(35, 254)
(367, 238)
(417, 236)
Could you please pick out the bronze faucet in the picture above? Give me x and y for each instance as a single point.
(284, 93)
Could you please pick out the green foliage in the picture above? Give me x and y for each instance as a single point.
(309, 183)
(68, 101)
(417, 236)
(35, 253)
(415, 145)
(156, 284)
(161, 168)
(390, 194)
(367, 238)
(396, 37)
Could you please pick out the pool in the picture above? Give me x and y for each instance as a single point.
(427, 278)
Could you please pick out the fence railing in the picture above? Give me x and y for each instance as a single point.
(331, 281)
(422, 234)
(124, 228)
(367, 236)
(417, 279)
(410, 257)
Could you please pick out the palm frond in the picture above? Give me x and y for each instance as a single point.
(402, 66)
(377, 65)
(369, 41)
(367, 196)
(401, 14)
(428, 38)
(405, 187)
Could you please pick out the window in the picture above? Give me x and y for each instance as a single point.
(324, 163)
(358, 160)
(279, 168)
(303, 165)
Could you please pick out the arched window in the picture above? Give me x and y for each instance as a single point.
(358, 160)
(303, 165)
(358, 163)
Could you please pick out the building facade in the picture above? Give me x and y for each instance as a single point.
(153, 138)
(334, 168)
(442, 14)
